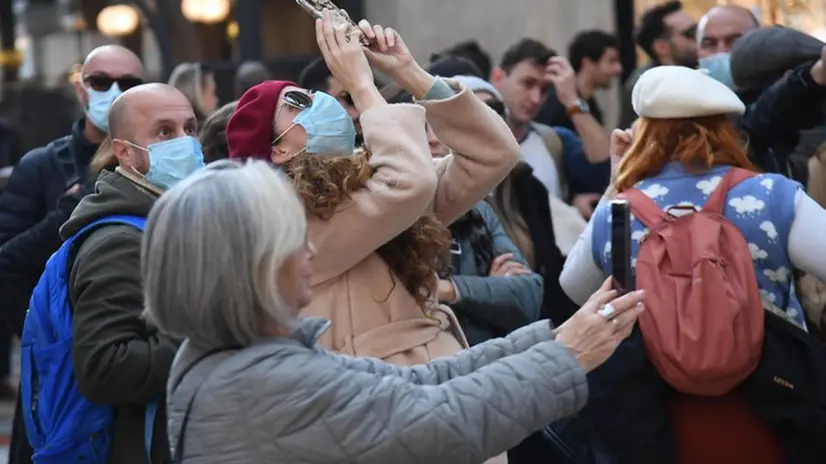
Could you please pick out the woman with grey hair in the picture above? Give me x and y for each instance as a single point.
(227, 265)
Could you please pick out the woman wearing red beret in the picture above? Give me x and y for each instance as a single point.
(378, 215)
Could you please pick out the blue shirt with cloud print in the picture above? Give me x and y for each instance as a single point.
(762, 207)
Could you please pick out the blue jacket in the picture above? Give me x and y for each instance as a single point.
(491, 307)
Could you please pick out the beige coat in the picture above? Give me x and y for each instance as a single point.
(373, 314)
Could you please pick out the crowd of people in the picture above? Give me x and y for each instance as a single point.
(344, 270)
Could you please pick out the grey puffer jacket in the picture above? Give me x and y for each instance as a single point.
(286, 400)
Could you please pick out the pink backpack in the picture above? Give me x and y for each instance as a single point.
(703, 324)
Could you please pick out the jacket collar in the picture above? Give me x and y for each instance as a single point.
(309, 329)
(140, 182)
(82, 149)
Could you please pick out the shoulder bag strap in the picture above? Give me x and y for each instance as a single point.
(717, 201)
(178, 457)
(553, 143)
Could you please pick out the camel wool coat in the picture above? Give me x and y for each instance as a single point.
(372, 313)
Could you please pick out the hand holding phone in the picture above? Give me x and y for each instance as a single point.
(316, 9)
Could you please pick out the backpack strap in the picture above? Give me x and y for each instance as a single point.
(137, 222)
(644, 208)
(553, 143)
(717, 201)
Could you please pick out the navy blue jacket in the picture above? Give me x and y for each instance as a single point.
(33, 206)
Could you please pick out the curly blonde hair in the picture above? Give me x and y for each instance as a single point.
(415, 256)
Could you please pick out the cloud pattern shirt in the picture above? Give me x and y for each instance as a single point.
(763, 208)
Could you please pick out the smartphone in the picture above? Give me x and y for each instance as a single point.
(621, 246)
(316, 8)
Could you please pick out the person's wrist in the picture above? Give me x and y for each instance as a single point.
(366, 96)
(568, 100)
(415, 79)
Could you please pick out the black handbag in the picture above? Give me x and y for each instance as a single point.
(561, 452)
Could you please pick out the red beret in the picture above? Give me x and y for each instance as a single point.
(249, 130)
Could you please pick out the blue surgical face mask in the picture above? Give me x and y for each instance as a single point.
(719, 67)
(330, 130)
(99, 103)
(172, 160)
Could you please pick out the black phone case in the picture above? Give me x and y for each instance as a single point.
(621, 246)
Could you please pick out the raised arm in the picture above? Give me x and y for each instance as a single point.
(391, 201)
(441, 370)
(403, 181)
(376, 418)
(484, 148)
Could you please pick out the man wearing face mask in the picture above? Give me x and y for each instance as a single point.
(119, 360)
(45, 187)
(48, 182)
(716, 33)
(775, 114)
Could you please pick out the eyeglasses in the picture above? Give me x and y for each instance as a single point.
(293, 99)
(298, 100)
(102, 83)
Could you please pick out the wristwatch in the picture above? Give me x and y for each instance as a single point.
(579, 106)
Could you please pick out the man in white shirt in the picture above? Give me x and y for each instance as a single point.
(520, 78)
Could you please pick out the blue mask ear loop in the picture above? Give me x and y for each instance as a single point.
(274, 142)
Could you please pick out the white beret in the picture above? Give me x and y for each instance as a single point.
(677, 92)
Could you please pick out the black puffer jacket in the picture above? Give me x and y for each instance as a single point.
(33, 206)
(780, 104)
(775, 117)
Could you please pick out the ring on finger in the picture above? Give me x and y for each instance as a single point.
(607, 311)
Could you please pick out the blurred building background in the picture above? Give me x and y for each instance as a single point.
(44, 39)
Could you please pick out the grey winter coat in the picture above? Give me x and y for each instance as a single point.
(286, 400)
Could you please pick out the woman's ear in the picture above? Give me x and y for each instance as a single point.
(279, 156)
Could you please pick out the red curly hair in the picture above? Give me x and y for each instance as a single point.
(697, 143)
(415, 256)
